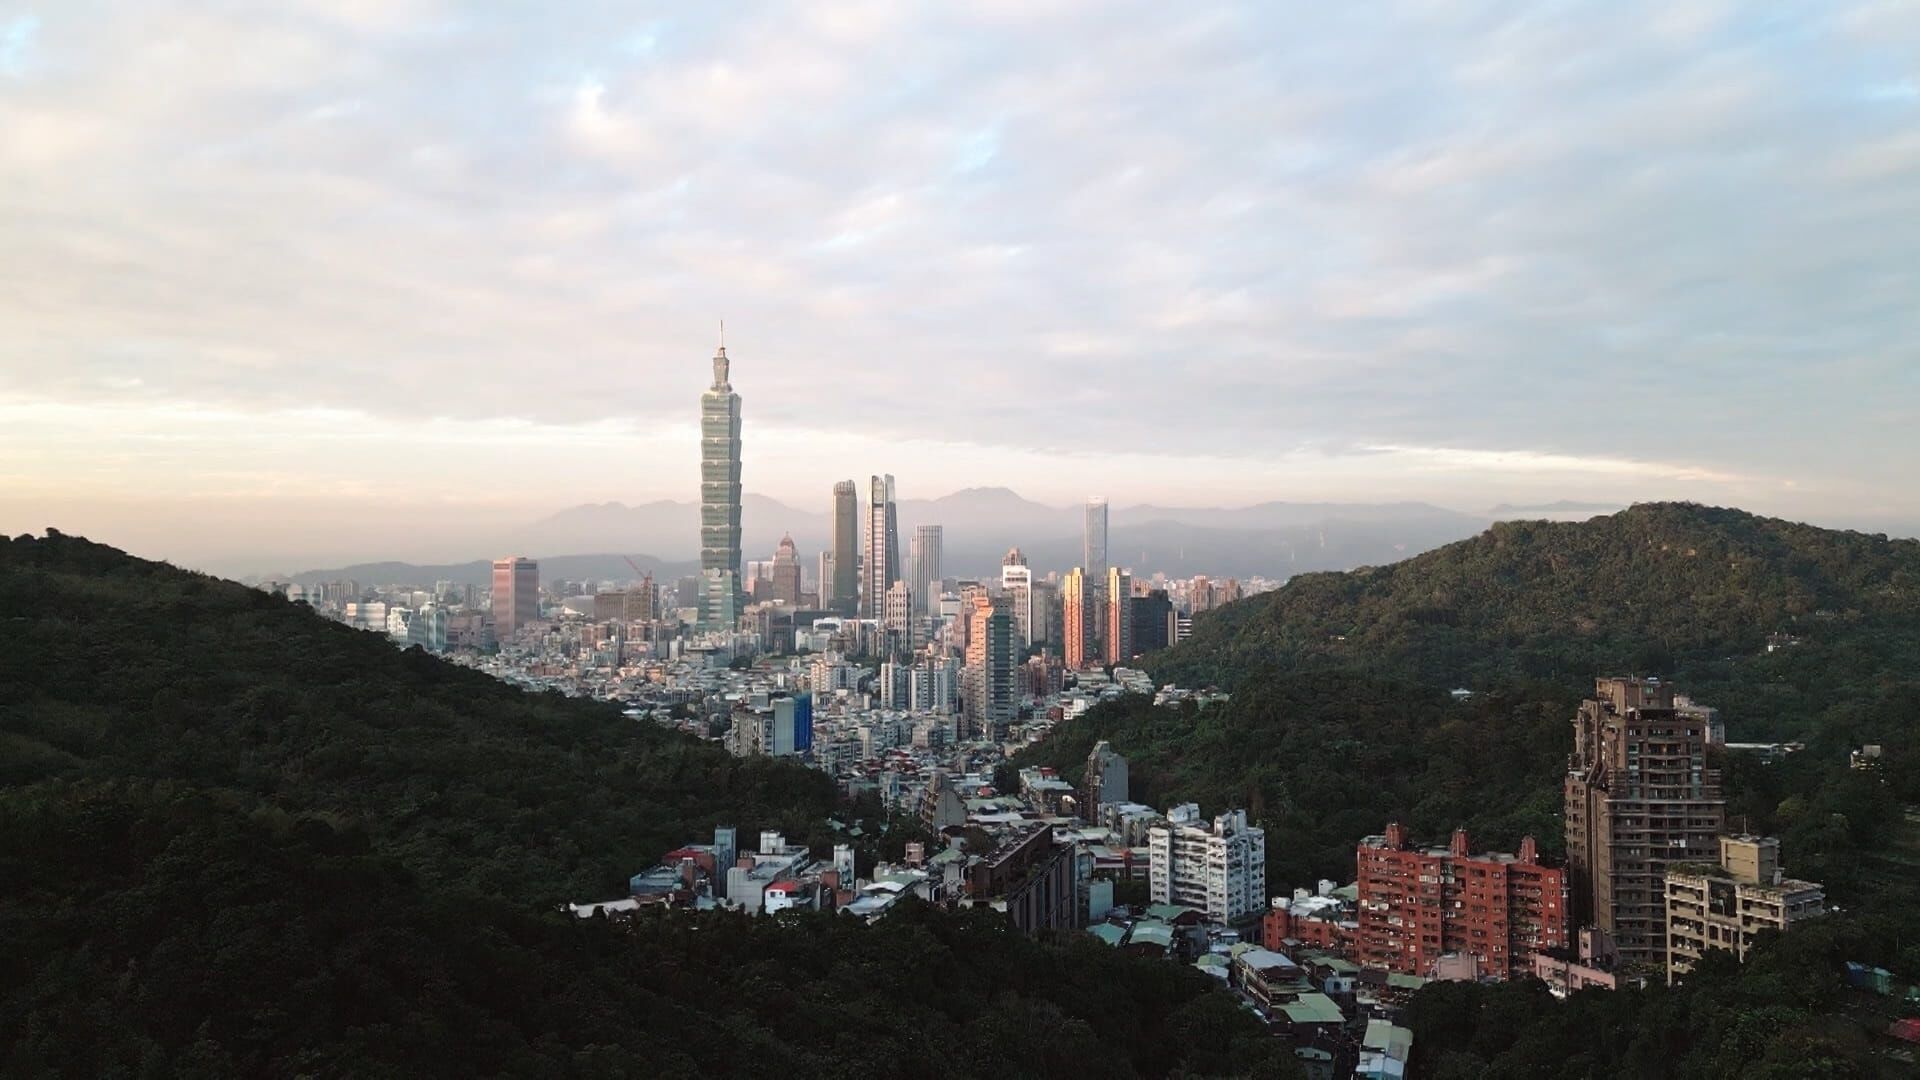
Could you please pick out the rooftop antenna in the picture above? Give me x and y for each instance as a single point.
(723, 335)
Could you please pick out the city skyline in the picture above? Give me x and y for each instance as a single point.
(445, 330)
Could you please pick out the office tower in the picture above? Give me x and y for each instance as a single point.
(1118, 610)
(1077, 604)
(1152, 622)
(1639, 796)
(882, 542)
(1045, 629)
(987, 682)
(1725, 904)
(897, 621)
(1105, 781)
(1094, 561)
(1417, 904)
(719, 499)
(824, 583)
(785, 572)
(1016, 583)
(1094, 547)
(516, 595)
(1222, 870)
(923, 565)
(844, 594)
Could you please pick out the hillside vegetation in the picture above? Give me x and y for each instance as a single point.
(239, 840)
(1321, 759)
(1340, 721)
(1685, 591)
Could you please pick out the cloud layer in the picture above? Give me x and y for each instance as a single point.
(1659, 248)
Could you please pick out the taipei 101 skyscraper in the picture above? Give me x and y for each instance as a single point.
(719, 498)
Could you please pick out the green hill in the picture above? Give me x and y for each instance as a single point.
(1681, 590)
(239, 840)
(1340, 721)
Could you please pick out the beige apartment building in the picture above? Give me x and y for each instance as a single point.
(1725, 904)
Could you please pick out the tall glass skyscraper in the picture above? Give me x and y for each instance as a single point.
(719, 500)
(843, 593)
(923, 568)
(883, 547)
(1094, 556)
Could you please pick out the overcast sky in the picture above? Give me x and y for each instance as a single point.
(367, 270)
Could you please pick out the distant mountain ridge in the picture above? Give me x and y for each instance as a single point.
(1561, 506)
(979, 524)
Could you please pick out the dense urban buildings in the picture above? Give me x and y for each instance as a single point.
(720, 591)
(840, 576)
(516, 594)
(1725, 904)
(1420, 905)
(1218, 868)
(1640, 795)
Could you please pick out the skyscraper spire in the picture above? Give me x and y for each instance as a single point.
(720, 364)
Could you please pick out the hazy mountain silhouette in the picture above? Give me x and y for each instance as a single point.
(978, 525)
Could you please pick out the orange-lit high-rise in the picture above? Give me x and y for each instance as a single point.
(1078, 606)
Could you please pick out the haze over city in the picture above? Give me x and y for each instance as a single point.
(1012, 538)
(393, 277)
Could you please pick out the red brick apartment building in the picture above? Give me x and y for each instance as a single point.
(1419, 904)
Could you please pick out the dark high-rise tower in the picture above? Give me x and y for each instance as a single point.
(1641, 793)
(843, 593)
(719, 499)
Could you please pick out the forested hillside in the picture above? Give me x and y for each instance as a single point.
(1340, 720)
(1322, 759)
(238, 840)
(1785, 1015)
(1685, 591)
(114, 668)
